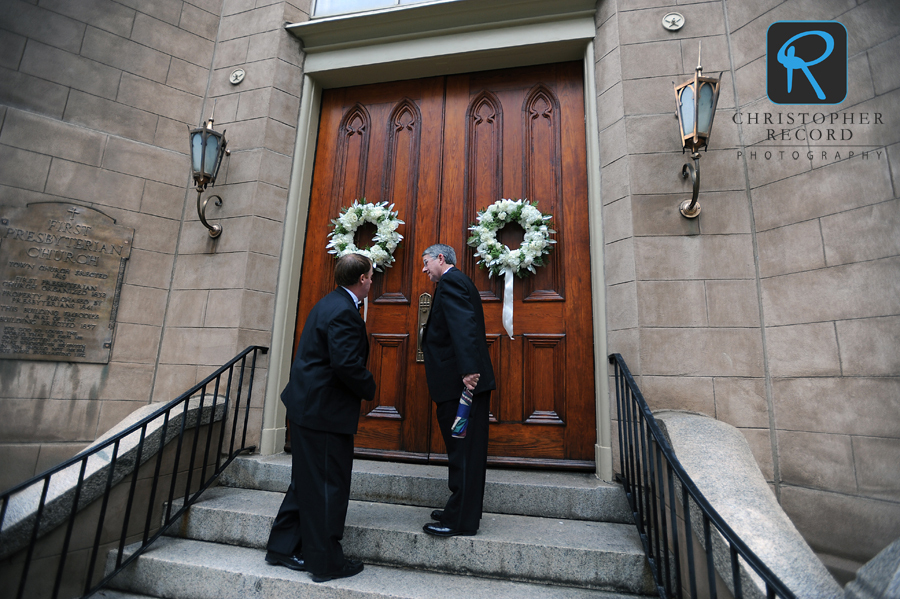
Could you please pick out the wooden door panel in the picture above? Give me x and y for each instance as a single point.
(544, 366)
(408, 120)
(387, 361)
(527, 443)
(379, 435)
(373, 143)
(483, 173)
(495, 351)
(529, 152)
(352, 155)
(542, 170)
(441, 149)
(551, 356)
(400, 189)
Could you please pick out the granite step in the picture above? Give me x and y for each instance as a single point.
(114, 594)
(591, 555)
(568, 495)
(191, 569)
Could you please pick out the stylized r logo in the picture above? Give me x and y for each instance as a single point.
(792, 62)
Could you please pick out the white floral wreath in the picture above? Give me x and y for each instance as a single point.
(498, 258)
(386, 238)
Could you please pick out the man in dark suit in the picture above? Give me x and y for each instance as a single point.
(327, 382)
(456, 357)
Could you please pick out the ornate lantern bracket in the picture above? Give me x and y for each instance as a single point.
(207, 148)
(695, 107)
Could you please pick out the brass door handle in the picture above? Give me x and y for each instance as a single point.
(424, 311)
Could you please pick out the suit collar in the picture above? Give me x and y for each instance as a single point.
(345, 296)
(446, 272)
(356, 300)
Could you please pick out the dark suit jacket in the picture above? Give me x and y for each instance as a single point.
(454, 340)
(329, 377)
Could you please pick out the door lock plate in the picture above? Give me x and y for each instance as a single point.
(424, 312)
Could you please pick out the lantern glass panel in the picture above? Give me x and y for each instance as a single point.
(687, 110)
(212, 151)
(705, 108)
(196, 151)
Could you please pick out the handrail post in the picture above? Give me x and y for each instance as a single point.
(65, 548)
(34, 534)
(131, 490)
(155, 483)
(193, 459)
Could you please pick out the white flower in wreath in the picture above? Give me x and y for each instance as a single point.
(385, 241)
(498, 258)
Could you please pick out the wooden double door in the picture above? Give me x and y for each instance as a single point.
(439, 150)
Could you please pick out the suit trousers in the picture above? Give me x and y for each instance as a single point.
(311, 519)
(467, 460)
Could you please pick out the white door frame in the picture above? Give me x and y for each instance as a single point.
(424, 41)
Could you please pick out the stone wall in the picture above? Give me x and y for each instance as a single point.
(776, 310)
(95, 104)
(223, 291)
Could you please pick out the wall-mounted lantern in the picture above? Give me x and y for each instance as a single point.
(695, 106)
(207, 151)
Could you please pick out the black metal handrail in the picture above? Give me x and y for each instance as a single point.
(56, 507)
(648, 471)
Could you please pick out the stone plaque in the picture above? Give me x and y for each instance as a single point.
(61, 270)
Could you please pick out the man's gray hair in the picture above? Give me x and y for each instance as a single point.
(439, 248)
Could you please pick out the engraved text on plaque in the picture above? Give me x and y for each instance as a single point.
(61, 270)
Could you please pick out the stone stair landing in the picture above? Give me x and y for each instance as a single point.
(542, 535)
(570, 495)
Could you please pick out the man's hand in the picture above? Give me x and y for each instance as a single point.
(471, 380)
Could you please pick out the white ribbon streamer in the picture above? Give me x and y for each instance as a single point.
(365, 308)
(508, 302)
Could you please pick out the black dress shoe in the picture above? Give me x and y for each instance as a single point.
(437, 515)
(434, 528)
(351, 567)
(288, 561)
